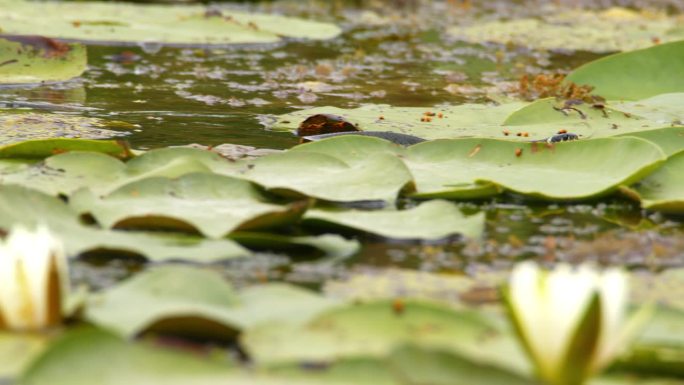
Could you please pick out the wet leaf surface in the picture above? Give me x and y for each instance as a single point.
(38, 59)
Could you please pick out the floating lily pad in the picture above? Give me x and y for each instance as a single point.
(324, 176)
(197, 302)
(516, 121)
(669, 139)
(431, 221)
(17, 350)
(435, 367)
(20, 205)
(615, 29)
(664, 189)
(103, 358)
(39, 59)
(377, 328)
(213, 205)
(635, 75)
(572, 170)
(18, 127)
(457, 121)
(168, 24)
(331, 245)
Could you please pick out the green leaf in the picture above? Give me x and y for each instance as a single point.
(190, 301)
(38, 59)
(457, 121)
(17, 351)
(366, 330)
(89, 356)
(635, 75)
(660, 348)
(38, 149)
(664, 189)
(331, 245)
(614, 29)
(168, 24)
(98, 357)
(214, 205)
(458, 168)
(329, 177)
(66, 173)
(434, 367)
(23, 206)
(669, 139)
(433, 220)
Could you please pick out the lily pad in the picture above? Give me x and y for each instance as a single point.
(332, 245)
(213, 205)
(564, 171)
(18, 127)
(615, 29)
(197, 302)
(168, 24)
(39, 59)
(17, 350)
(664, 189)
(325, 176)
(635, 75)
(39, 149)
(431, 221)
(103, 358)
(435, 367)
(20, 205)
(457, 121)
(376, 329)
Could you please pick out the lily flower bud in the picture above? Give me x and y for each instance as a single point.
(571, 322)
(33, 279)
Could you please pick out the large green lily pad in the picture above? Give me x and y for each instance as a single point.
(433, 220)
(664, 189)
(103, 358)
(516, 121)
(213, 205)
(169, 24)
(635, 75)
(573, 170)
(457, 121)
(39, 59)
(23, 206)
(18, 127)
(378, 177)
(615, 29)
(439, 367)
(376, 329)
(197, 302)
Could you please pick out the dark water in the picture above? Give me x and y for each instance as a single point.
(212, 96)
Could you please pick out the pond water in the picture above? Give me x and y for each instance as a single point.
(178, 96)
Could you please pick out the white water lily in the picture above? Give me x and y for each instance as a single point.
(571, 321)
(33, 279)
